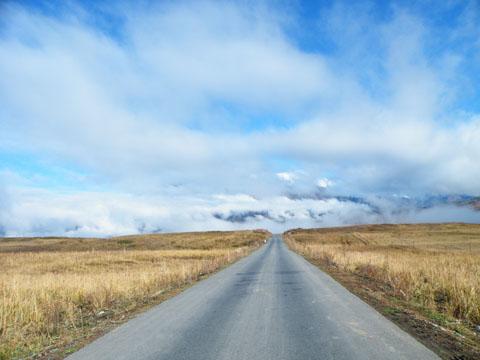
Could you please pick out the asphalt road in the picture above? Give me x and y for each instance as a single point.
(272, 304)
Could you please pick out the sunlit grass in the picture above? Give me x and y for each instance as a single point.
(47, 296)
(437, 266)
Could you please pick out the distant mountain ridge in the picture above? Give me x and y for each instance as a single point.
(377, 205)
(421, 202)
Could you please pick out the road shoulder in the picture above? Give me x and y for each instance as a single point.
(444, 342)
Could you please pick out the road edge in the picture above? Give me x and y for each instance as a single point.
(105, 325)
(443, 342)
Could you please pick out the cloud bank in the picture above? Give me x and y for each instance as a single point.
(44, 213)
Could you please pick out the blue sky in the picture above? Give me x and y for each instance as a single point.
(115, 115)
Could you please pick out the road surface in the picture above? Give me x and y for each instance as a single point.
(272, 304)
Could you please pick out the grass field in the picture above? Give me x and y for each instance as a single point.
(54, 290)
(433, 266)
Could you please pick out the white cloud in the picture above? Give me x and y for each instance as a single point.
(324, 183)
(242, 198)
(178, 106)
(288, 177)
(43, 212)
(72, 93)
(179, 60)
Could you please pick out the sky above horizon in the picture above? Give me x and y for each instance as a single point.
(179, 115)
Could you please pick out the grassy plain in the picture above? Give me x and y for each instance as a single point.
(56, 290)
(433, 267)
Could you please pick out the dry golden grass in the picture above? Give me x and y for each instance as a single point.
(52, 295)
(434, 265)
(192, 240)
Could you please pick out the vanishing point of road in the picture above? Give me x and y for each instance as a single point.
(272, 304)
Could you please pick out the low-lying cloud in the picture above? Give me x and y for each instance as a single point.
(46, 213)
